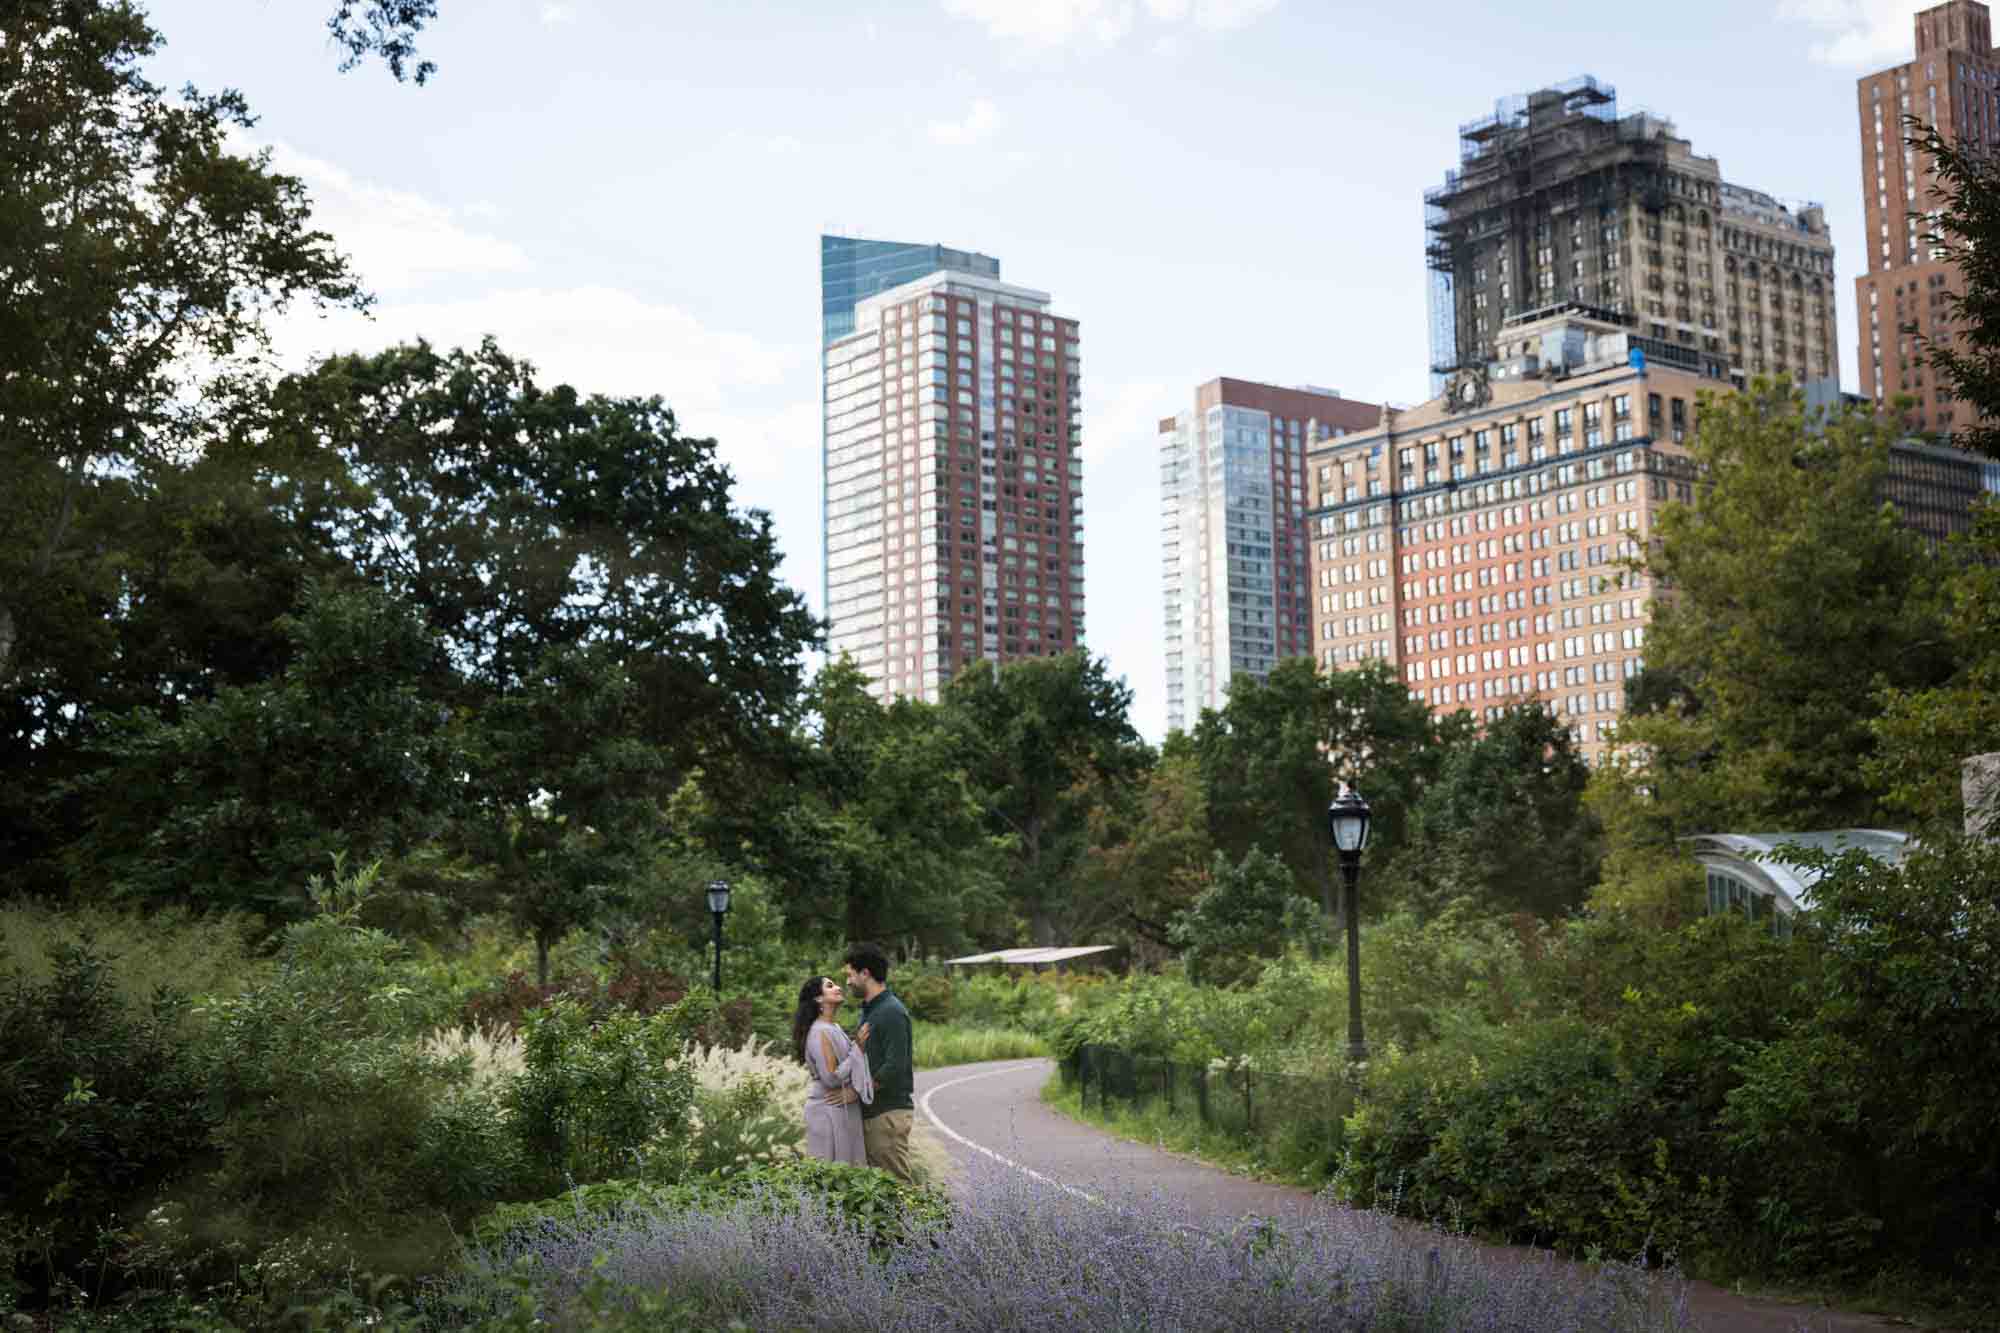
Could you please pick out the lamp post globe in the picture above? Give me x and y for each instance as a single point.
(718, 907)
(1347, 822)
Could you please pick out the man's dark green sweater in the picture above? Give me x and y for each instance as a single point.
(890, 1061)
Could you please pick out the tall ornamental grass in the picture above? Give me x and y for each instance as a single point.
(1020, 1255)
(936, 1047)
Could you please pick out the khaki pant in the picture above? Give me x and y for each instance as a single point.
(886, 1137)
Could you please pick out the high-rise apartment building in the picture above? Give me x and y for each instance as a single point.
(1557, 199)
(1232, 496)
(1954, 84)
(953, 513)
(852, 269)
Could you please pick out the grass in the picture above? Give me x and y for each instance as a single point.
(1179, 1131)
(937, 1045)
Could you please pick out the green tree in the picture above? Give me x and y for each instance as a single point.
(1922, 734)
(133, 244)
(1863, 1129)
(1503, 823)
(1037, 738)
(1273, 757)
(243, 797)
(1250, 909)
(903, 838)
(610, 621)
(1787, 597)
(384, 28)
(1967, 367)
(1149, 854)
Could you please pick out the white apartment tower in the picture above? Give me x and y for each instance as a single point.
(954, 482)
(1233, 545)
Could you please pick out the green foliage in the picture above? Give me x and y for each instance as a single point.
(1249, 910)
(1541, 1135)
(741, 1126)
(174, 948)
(927, 996)
(236, 802)
(604, 1098)
(1036, 1002)
(1149, 854)
(875, 1202)
(1038, 738)
(99, 1107)
(1503, 823)
(1864, 1131)
(935, 1047)
(1797, 597)
(142, 253)
(1923, 734)
(1967, 365)
(328, 1110)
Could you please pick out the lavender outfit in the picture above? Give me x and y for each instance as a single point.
(834, 1132)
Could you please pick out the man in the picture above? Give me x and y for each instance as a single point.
(885, 1036)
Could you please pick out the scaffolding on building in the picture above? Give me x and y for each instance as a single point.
(1538, 155)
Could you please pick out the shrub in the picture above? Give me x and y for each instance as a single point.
(874, 1204)
(928, 998)
(634, 988)
(1541, 1136)
(602, 1099)
(100, 1107)
(1021, 1256)
(331, 1111)
(749, 1106)
(189, 954)
(1864, 1130)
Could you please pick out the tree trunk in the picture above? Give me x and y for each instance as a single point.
(541, 958)
(6, 643)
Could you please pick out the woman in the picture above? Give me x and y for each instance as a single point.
(840, 1075)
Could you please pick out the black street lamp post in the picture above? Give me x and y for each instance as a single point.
(1347, 820)
(718, 907)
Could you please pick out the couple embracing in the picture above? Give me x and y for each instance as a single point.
(862, 1098)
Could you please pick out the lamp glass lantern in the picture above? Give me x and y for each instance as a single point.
(1347, 819)
(718, 896)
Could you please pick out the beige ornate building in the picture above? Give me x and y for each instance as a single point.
(1559, 200)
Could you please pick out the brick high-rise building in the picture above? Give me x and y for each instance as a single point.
(1232, 496)
(1474, 542)
(1477, 542)
(1954, 84)
(1558, 199)
(953, 513)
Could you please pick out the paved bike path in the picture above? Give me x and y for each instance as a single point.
(994, 1113)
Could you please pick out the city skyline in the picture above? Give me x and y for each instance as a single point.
(592, 184)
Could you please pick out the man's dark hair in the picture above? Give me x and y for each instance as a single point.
(869, 958)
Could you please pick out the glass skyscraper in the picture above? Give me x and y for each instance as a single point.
(851, 270)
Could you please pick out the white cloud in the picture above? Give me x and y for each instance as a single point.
(555, 12)
(397, 241)
(1855, 32)
(980, 120)
(1059, 22)
(783, 143)
(441, 280)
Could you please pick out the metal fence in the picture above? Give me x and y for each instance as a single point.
(1297, 1119)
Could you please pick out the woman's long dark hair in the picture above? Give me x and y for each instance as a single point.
(806, 1014)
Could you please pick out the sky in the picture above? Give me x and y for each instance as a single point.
(629, 193)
